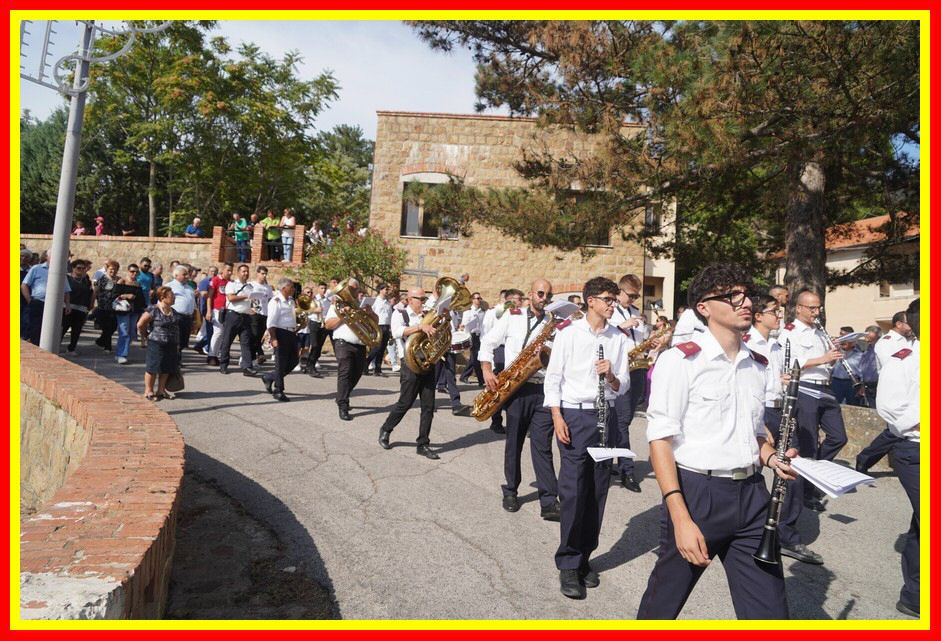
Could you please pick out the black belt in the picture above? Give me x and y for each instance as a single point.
(340, 341)
(815, 384)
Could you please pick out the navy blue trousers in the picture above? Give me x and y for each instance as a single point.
(793, 496)
(880, 446)
(625, 406)
(908, 466)
(525, 413)
(496, 421)
(444, 376)
(583, 487)
(813, 415)
(731, 516)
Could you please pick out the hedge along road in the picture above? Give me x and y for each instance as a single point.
(398, 536)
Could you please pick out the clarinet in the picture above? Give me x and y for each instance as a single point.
(787, 361)
(769, 550)
(601, 405)
(854, 379)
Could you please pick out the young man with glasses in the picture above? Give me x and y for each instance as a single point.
(705, 424)
(817, 407)
(405, 323)
(766, 311)
(631, 322)
(525, 410)
(571, 390)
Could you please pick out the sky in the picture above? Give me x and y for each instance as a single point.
(380, 66)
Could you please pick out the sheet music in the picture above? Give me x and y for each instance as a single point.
(367, 302)
(833, 479)
(606, 453)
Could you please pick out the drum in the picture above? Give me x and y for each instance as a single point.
(460, 341)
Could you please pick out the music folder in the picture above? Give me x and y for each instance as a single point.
(833, 479)
(599, 454)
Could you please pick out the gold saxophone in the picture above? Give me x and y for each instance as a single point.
(637, 358)
(533, 358)
(358, 320)
(423, 351)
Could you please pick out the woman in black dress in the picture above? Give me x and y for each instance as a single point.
(162, 323)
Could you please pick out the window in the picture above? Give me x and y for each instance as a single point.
(652, 218)
(420, 220)
(884, 289)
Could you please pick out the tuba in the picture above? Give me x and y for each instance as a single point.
(359, 321)
(302, 306)
(423, 351)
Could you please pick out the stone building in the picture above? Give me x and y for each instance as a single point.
(431, 148)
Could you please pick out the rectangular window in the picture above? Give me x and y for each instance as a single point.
(420, 220)
(884, 289)
(652, 218)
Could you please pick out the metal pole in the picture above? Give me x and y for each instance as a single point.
(59, 250)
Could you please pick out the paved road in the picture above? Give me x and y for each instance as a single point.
(396, 536)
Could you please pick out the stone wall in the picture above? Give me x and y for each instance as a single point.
(481, 150)
(102, 545)
(130, 249)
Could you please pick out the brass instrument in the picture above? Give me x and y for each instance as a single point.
(854, 379)
(505, 307)
(769, 549)
(423, 351)
(637, 358)
(358, 320)
(301, 307)
(534, 357)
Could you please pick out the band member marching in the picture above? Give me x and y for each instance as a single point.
(571, 393)
(525, 411)
(705, 424)
(898, 402)
(281, 325)
(406, 323)
(349, 350)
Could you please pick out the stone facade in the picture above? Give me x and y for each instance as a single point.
(481, 150)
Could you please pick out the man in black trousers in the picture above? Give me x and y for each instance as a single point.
(405, 323)
(281, 325)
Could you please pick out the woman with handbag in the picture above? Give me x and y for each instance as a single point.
(162, 323)
(105, 314)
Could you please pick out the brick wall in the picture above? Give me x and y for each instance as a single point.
(101, 547)
(481, 150)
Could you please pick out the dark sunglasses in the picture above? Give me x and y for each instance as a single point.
(632, 296)
(542, 294)
(422, 299)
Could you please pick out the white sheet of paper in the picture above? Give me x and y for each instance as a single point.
(367, 302)
(561, 308)
(852, 337)
(443, 304)
(833, 479)
(472, 325)
(606, 453)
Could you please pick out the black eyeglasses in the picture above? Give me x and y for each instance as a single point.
(735, 298)
(546, 295)
(608, 300)
(132, 271)
(422, 299)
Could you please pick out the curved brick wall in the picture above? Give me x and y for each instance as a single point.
(101, 547)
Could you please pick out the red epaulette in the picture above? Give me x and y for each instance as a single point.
(758, 357)
(688, 349)
(789, 326)
(902, 353)
(746, 338)
(516, 311)
(886, 337)
(563, 324)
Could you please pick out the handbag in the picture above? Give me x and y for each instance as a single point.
(121, 305)
(175, 382)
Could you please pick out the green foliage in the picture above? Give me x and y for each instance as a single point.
(370, 259)
(41, 146)
(339, 179)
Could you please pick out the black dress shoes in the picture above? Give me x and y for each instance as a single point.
(569, 584)
(497, 429)
(281, 397)
(249, 371)
(422, 450)
(907, 609)
(511, 503)
(815, 504)
(345, 414)
(802, 553)
(268, 383)
(628, 483)
(223, 369)
(384, 439)
(460, 410)
(551, 513)
(588, 577)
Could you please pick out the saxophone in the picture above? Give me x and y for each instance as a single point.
(533, 358)
(637, 358)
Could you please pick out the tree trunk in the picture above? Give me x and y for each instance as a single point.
(152, 200)
(804, 230)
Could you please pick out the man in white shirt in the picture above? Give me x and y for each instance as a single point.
(405, 323)
(574, 375)
(687, 327)
(280, 322)
(895, 339)
(898, 402)
(705, 424)
(630, 321)
(383, 310)
(238, 310)
(779, 293)
(261, 294)
(508, 298)
(766, 311)
(350, 353)
(396, 345)
(817, 407)
(472, 318)
(184, 302)
(525, 410)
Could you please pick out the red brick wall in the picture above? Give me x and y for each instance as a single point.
(112, 524)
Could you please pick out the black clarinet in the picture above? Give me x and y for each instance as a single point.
(769, 550)
(601, 405)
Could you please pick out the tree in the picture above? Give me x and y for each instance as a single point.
(339, 179)
(370, 259)
(779, 127)
(41, 146)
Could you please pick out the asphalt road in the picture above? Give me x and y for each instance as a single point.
(397, 536)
